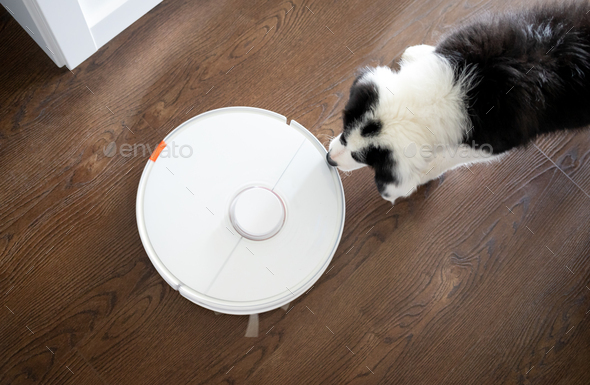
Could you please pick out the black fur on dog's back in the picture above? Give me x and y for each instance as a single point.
(531, 73)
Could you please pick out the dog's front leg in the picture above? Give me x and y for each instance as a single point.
(391, 192)
(394, 191)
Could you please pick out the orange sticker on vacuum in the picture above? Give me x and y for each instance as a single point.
(157, 151)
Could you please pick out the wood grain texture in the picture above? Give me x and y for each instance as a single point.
(480, 277)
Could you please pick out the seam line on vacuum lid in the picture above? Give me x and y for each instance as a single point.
(288, 164)
(222, 266)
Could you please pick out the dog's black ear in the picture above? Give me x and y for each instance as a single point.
(363, 97)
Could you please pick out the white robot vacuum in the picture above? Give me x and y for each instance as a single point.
(239, 211)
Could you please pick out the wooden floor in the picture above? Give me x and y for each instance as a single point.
(481, 277)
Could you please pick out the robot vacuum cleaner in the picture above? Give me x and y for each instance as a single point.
(239, 211)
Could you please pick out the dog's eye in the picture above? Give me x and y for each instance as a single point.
(371, 129)
(343, 140)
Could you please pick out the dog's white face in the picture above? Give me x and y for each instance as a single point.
(350, 150)
(389, 112)
(363, 141)
(341, 154)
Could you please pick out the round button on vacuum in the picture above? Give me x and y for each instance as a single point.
(257, 213)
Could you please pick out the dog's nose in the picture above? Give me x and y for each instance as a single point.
(330, 161)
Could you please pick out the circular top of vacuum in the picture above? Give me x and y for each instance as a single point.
(257, 213)
(239, 211)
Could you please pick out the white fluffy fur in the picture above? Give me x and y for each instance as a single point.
(420, 105)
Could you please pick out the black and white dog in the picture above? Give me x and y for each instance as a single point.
(485, 89)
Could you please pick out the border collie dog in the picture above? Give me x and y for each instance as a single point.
(485, 89)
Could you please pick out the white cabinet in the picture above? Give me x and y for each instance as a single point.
(70, 31)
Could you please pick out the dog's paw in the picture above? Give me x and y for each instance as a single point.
(392, 192)
(389, 199)
(416, 52)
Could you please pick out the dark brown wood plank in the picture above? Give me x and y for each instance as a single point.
(467, 281)
(570, 154)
